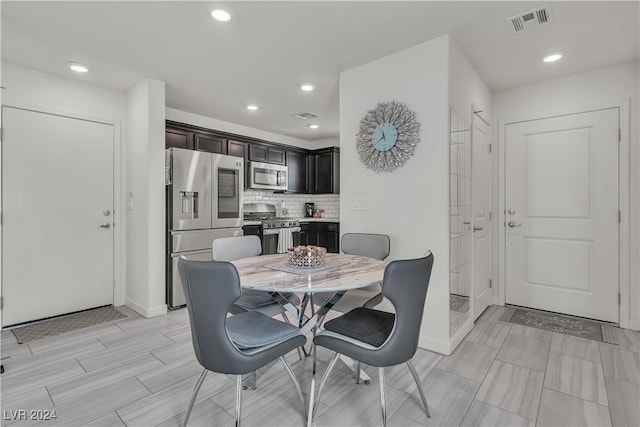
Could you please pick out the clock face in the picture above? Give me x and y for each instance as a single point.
(387, 136)
(384, 136)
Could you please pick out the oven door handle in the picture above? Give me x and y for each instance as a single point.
(269, 231)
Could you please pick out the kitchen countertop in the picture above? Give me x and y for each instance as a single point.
(304, 219)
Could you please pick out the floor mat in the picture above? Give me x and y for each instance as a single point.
(71, 322)
(569, 325)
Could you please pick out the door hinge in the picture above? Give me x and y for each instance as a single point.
(1, 134)
(619, 217)
(619, 298)
(490, 215)
(490, 283)
(619, 134)
(1, 302)
(489, 147)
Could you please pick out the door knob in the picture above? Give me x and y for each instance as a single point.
(106, 212)
(513, 224)
(511, 211)
(105, 225)
(478, 228)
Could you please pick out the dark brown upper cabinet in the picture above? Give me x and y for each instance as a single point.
(179, 139)
(324, 170)
(310, 171)
(210, 143)
(266, 154)
(297, 164)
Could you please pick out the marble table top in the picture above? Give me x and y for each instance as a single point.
(352, 272)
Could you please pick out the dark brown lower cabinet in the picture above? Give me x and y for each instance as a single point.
(325, 234)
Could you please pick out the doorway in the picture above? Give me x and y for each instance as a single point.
(58, 214)
(562, 214)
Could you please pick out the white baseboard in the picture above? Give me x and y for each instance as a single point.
(145, 311)
(445, 347)
(634, 325)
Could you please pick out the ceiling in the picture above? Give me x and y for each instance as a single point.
(261, 56)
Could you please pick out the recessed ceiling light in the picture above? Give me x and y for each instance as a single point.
(221, 15)
(307, 87)
(77, 67)
(252, 107)
(553, 57)
(314, 126)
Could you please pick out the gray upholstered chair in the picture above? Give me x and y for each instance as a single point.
(235, 345)
(365, 244)
(233, 248)
(379, 338)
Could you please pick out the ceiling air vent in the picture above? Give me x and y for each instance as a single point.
(531, 19)
(305, 115)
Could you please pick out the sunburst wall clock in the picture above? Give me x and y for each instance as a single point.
(387, 136)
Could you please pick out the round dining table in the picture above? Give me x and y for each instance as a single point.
(339, 274)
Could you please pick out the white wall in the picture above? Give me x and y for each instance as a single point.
(146, 198)
(599, 88)
(467, 92)
(466, 86)
(28, 88)
(222, 126)
(410, 204)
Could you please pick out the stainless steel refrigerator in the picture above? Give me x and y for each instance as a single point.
(204, 202)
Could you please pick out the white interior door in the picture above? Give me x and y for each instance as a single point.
(57, 210)
(562, 214)
(481, 204)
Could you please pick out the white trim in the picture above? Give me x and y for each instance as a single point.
(146, 312)
(623, 179)
(119, 235)
(446, 347)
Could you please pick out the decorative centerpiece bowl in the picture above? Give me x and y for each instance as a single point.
(306, 256)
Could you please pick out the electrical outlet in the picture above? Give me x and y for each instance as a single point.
(359, 203)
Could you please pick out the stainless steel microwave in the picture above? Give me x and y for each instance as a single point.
(265, 176)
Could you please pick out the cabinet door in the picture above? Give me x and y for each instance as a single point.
(266, 154)
(275, 156)
(297, 165)
(210, 144)
(179, 139)
(326, 172)
(304, 234)
(258, 153)
(240, 149)
(328, 236)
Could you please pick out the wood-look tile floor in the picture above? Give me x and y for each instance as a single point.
(141, 372)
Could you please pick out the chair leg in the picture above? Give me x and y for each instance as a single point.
(382, 399)
(357, 372)
(238, 399)
(196, 389)
(254, 380)
(324, 380)
(286, 319)
(416, 378)
(296, 384)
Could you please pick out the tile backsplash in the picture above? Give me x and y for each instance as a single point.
(295, 202)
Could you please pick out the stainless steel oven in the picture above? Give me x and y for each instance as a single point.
(277, 234)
